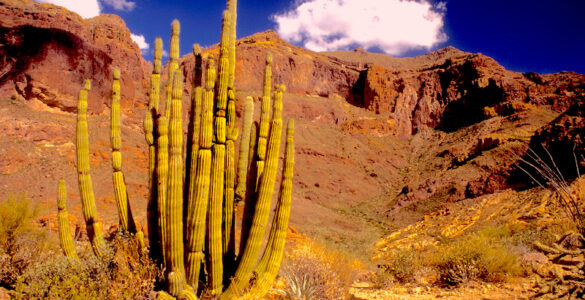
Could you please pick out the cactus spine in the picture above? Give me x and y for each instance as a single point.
(121, 195)
(151, 139)
(65, 238)
(94, 230)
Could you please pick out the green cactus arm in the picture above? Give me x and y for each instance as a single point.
(197, 209)
(173, 64)
(193, 133)
(232, 6)
(266, 189)
(175, 254)
(162, 169)
(93, 227)
(120, 193)
(65, 238)
(250, 192)
(244, 150)
(151, 139)
(264, 117)
(269, 265)
(214, 217)
(228, 243)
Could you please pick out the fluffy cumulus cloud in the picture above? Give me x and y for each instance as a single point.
(140, 40)
(121, 4)
(394, 26)
(85, 8)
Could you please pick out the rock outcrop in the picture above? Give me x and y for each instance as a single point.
(47, 52)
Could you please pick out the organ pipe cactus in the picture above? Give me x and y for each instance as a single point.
(120, 192)
(191, 206)
(92, 224)
(65, 238)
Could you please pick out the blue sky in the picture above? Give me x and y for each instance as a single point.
(540, 35)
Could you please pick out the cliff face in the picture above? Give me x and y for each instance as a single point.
(47, 52)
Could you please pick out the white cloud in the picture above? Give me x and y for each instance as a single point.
(165, 53)
(85, 8)
(120, 4)
(394, 26)
(140, 40)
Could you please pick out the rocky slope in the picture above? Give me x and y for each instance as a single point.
(48, 51)
(380, 141)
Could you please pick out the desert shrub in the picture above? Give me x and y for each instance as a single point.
(124, 274)
(401, 267)
(313, 271)
(482, 256)
(22, 242)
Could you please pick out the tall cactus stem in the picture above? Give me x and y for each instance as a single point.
(250, 192)
(197, 209)
(268, 266)
(151, 139)
(65, 238)
(173, 64)
(264, 117)
(162, 171)
(175, 254)
(262, 209)
(93, 227)
(244, 150)
(120, 193)
(193, 132)
(232, 6)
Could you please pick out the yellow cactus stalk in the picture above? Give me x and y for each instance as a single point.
(94, 230)
(264, 196)
(151, 139)
(120, 193)
(197, 210)
(162, 170)
(269, 265)
(173, 64)
(264, 118)
(65, 239)
(174, 247)
(244, 149)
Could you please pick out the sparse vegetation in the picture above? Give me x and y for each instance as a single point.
(313, 271)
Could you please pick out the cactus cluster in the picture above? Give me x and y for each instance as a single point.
(192, 203)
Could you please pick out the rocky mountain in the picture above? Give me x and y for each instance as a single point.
(380, 141)
(48, 51)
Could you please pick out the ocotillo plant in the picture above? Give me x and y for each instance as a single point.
(192, 226)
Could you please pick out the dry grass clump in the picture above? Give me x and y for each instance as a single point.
(312, 271)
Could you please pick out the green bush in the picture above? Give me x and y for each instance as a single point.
(400, 268)
(22, 242)
(484, 256)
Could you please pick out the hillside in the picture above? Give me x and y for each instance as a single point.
(380, 143)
